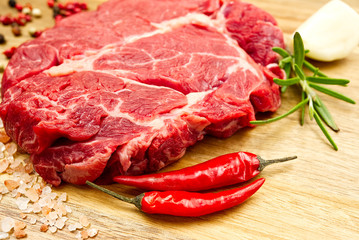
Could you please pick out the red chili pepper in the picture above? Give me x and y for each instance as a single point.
(218, 172)
(187, 204)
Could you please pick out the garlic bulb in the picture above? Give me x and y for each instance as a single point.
(332, 32)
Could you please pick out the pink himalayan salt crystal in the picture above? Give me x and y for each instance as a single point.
(11, 148)
(19, 225)
(32, 195)
(4, 164)
(44, 228)
(84, 234)
(11, 184)
(84, 221)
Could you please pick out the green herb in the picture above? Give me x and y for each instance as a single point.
(293, 65)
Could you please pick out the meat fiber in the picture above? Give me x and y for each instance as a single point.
(127, 88)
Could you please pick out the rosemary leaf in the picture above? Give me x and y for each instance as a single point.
(329, 81)
(325, 115)
(302, 103)
(313, 69)
(322, 127)
(287, 68)
(299, 52)
(311, 109)
(283, 89)
(282, 52)
(303, 109)
(299, 72)
(332, 93)
(286, 82)
(284, 61)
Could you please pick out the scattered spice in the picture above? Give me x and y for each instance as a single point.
(18, 7)
(15, 28)
(34, 198)
(2, 39)
(26, 11)
(6, 20)
(12, 3)
(9, 52)
(36, 12)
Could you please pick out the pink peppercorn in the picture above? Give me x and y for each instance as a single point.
(6, 20)
(9, 52)
(28, 18)
(51, 3)
(19, 7)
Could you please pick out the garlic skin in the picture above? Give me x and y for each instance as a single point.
(332, 32)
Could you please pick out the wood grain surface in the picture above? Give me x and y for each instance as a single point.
(314, 197)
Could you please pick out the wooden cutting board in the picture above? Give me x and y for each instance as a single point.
(314, 197)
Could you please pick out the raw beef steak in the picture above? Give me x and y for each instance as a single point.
(127, 88)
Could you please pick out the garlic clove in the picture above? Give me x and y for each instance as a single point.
(332, 32)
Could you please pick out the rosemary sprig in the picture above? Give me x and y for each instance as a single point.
(293, 65)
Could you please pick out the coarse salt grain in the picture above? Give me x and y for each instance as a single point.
(11, 184)
(20, 234)
(60, 223)
(84, 221)
(19, 225)
(78, 225)
(62, 197)
(52, 229)
(68, 209)
(78, 235)
(2, 147)
(44, 228)
(7, 224)
(32, 195)
(3, 165)
(36, 208)
(72, 227)
(44, 201)
(46, 191)
(45, 210)
(84, 234)
(52, 216)
(11, 148)
(4, 235)
(32, 220)
(22, 202)
(92, 232)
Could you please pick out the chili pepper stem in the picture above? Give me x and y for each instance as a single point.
(135, 201)
(263, 163)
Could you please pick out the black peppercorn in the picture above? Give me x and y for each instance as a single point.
(12, 3)
(56, 11)
(2, 39)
